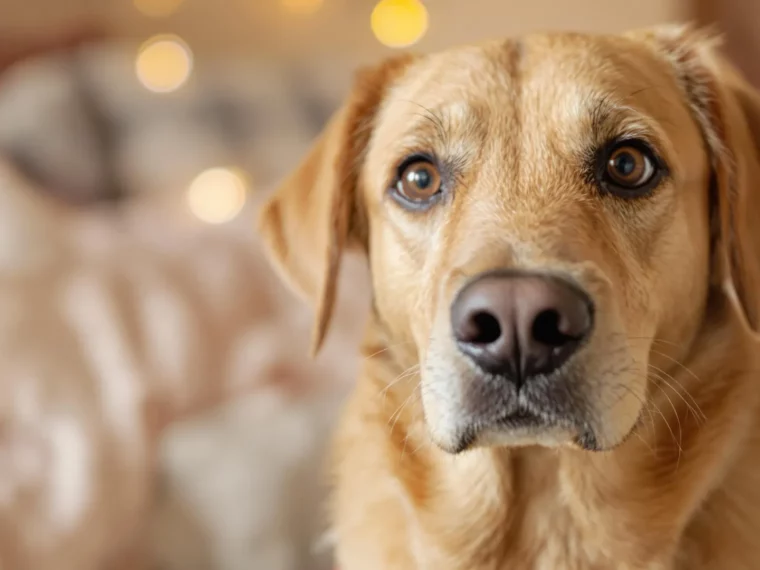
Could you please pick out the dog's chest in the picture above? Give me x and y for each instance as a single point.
(533, 523)
(544, 532)
(544, 537)
(547, 537)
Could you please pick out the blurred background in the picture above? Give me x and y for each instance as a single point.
(137, 138)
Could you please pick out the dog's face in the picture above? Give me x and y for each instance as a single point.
(539, 224)
(520, 174)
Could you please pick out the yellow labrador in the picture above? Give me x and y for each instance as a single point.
(561, 363)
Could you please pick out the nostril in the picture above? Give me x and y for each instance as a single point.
(547, 329)
(486, 328)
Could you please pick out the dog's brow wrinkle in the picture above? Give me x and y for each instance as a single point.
(601, 109)
(639, 91)
(438, 119)
(609, 115)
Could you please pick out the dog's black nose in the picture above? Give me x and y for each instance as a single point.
(520, 325)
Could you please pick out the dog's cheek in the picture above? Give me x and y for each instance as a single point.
(611, 371)
(394, 315)
(416, 314)
(443, 377)
(614, 384)
(682, 291)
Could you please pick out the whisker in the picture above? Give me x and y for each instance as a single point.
(655, 340)
(426, 442)
(685, 369)
(678, 363)
(693, 406)
(387, 348)
(665, 421)
(405, 375)
(678, 442)
(683, 393)
(662, 415)
(406, 442)
(398, 412)
(647, 407)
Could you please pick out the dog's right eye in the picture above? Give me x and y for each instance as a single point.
(629, 169)
(419, 182)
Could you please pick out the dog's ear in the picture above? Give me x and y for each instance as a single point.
(727, 110)
(316, 213)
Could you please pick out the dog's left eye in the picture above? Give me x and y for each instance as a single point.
(629, 169)
(418, 182)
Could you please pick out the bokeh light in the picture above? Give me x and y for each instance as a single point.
(302, 7)
(217, 195)
(164, 63)
(157, 8)
(399, 23)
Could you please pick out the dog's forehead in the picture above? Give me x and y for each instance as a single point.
(547, 73)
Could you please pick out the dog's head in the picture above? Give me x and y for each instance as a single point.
(538, 216)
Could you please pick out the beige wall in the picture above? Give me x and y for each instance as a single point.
(740, 22)
(259, 27)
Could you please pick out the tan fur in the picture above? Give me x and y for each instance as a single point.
(671, 371)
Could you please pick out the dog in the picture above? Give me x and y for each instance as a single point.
(561, 363)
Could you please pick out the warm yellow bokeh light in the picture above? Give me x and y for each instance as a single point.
(157, 8)
(217, 195)
(302, 7)
(399, 23)
(164, 63)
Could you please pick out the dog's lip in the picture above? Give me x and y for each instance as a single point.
(520, 420)
(523, 417)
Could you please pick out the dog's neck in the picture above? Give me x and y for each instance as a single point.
(640, 498)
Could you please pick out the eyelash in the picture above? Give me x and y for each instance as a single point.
(411, 159)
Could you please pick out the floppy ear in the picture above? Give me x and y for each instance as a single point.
(315, 214)
(727, 109)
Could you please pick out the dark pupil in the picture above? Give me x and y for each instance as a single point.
(624, 163)
(420, 178)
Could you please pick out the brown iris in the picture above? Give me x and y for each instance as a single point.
(629, 168)
(419, 181)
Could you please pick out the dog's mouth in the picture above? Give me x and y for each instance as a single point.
(520, 425)
(524, 421)
(468, 409)
(523, 418)
(528, 426)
